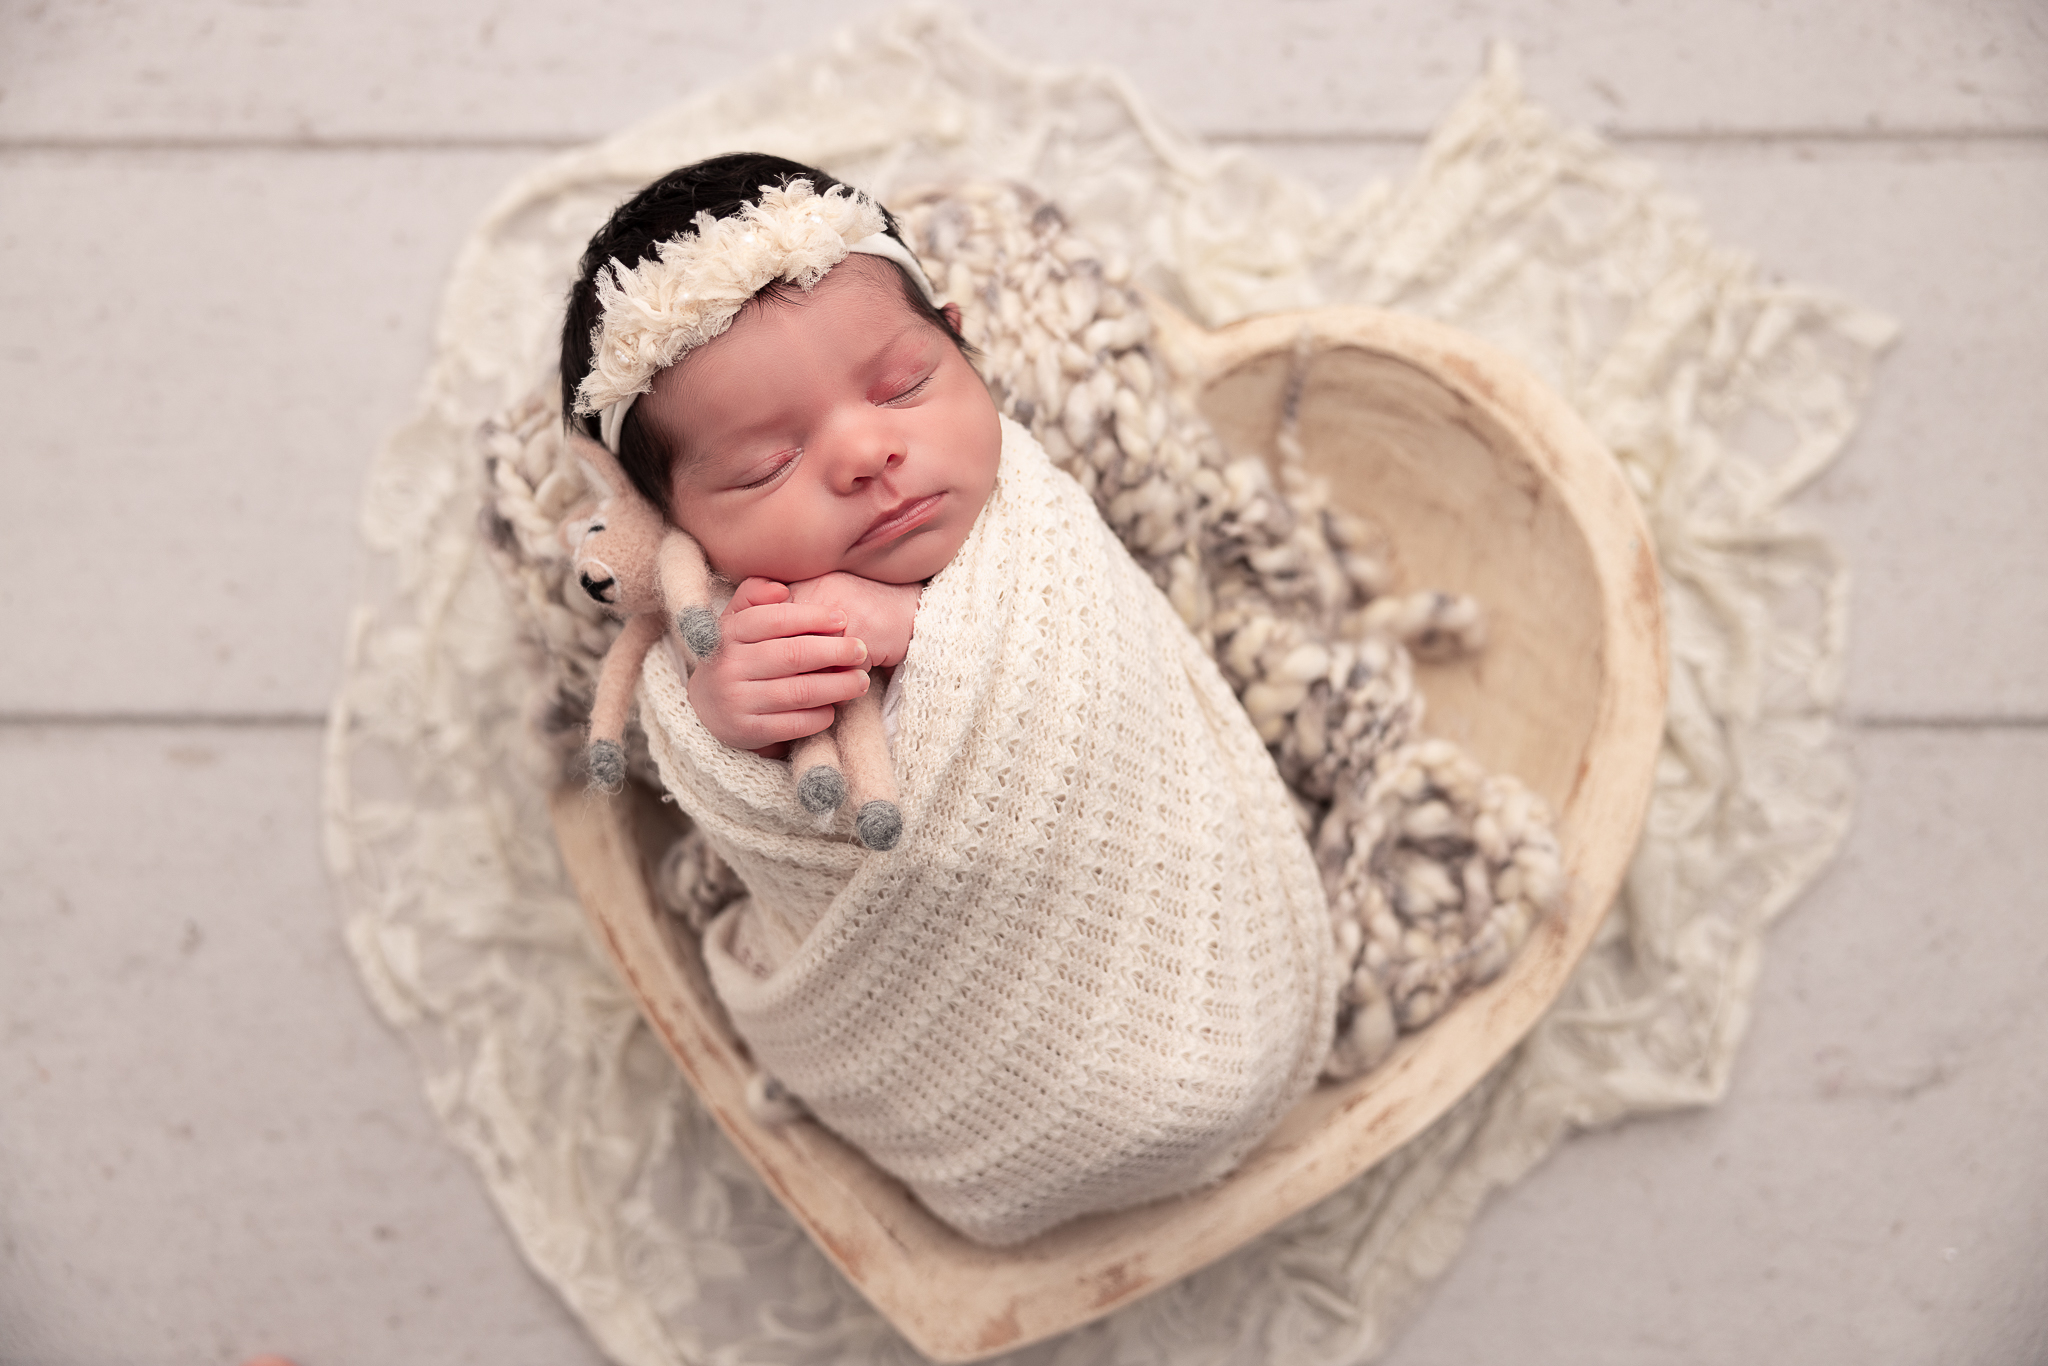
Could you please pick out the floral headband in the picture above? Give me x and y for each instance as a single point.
(690, 292)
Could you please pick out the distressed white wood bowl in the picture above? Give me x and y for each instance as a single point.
(1485, 483)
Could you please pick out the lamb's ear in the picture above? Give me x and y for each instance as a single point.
(600, 467)
(602, 472)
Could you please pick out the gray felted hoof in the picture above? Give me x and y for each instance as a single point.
(879, 825)
(699, 628)
(821, 789)
(606, 762)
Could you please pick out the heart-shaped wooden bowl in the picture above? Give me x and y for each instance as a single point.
(1485, 483)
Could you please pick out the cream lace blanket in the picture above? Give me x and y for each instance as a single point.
(1099, 967)
(1721, 391)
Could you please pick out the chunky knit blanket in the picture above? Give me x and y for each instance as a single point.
(1099, 967)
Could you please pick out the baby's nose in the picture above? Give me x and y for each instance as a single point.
(863, 451)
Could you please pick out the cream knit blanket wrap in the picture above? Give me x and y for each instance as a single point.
(1099, 967)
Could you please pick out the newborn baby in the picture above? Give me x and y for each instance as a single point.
(1099, 966)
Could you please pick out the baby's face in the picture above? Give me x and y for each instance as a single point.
(834, 431)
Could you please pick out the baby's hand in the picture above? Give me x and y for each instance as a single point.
(881, 614)
(779, 669)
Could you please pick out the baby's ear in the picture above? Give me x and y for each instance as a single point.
(952, 314)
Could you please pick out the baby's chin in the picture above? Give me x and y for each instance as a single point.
(918, 562)
(914, 559)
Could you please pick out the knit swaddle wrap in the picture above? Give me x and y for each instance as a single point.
(1099, 967)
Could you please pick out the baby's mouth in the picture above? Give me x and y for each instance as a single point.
(901, 518)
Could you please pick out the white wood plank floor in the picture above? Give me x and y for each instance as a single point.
(209, 1147)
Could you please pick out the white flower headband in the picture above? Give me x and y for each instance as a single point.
(691, 292)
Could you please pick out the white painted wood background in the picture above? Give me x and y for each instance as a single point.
(223, 225)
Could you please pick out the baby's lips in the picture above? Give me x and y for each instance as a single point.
(905, 516)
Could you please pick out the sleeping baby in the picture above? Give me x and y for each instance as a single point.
(1098, 965)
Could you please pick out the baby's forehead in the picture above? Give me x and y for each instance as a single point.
(861, 281)
(863, 290)
(862, 303)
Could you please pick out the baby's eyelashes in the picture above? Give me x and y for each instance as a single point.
(772, 474)
(912, 392)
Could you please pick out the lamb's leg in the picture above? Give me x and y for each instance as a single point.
(814, 763)
(686, 589)
(620, 674)
(864, 748)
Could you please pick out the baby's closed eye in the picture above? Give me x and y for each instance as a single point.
(909, 391)
(760, 476)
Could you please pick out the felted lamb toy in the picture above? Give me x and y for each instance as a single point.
(631, 561)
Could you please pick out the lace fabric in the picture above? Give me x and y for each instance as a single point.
(1721, 393)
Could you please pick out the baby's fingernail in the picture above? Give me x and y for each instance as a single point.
(839, 619)
(863, 650)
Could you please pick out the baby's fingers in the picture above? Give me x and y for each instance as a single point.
(756, 592)
(768, 735)
(791, 708)
(803, 692)
(792, 655)
(779, 620)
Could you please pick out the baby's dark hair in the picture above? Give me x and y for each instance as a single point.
(721, 187)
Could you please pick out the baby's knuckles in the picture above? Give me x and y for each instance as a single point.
(882, 615)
